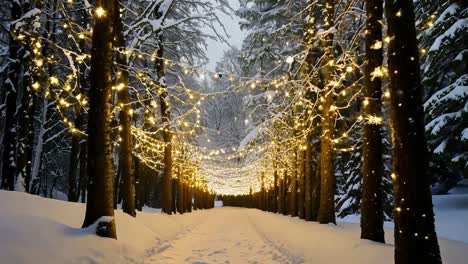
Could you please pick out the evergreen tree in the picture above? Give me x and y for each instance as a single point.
(443, 36)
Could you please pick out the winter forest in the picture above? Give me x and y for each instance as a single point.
(324, 131)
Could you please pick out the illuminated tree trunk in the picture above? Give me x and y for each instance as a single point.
(262, 193)
(180, 191)
(11, 86)
(372, 162)
(125, 125)
(415, 236)
(327, 178)
(285, 193)
(293, 191)
(308, 180)
(274, 207)
(280, 194)
(315, 186)
(188, 197)
(167, 135)
(301, 185)
(100, 172)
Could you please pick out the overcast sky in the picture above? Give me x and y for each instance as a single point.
(215, 48)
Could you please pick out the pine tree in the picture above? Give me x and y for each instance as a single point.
(443, 36)
(415, 236)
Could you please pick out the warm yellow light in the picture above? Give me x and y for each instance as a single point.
(378, 72)
(54, 80)
(387, 94)
(100, 12)
(377, 45)
(36, 85)
(365, 102)
(374, 120)
(39, 62)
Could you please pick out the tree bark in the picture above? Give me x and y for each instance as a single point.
(308, 179)
(11, 86)
(415, 236)
(74, 159)
(301, 186)
(327, 173)
(125, 125)
(180, 192)
(293, 191)
(372, 163)
(315, 199)
(100, 164)
(167, 135)
(274, 208)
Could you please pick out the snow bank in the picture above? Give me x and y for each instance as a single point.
(34, 228)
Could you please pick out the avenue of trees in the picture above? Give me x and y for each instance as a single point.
(329, 107)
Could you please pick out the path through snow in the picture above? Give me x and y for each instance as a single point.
(228, 236)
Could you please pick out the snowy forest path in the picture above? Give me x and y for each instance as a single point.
(229, 236)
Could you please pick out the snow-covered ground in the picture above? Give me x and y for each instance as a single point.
(451, 214)
(38, 230)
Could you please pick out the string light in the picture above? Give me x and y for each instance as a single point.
(100, 12)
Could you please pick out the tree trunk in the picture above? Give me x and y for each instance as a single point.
(372, 162)
(308, 179)
(167, 136)
(74, 159)
(415, 236)
(285, 192)
(125, 125)
(327, 173)
(11, 86)
(301, 186)
(180, 191)
(100, 163)
(315, 186)
(274, 207)
(83, 170)
(293, 194)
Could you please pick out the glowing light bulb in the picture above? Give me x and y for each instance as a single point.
(100, 12)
